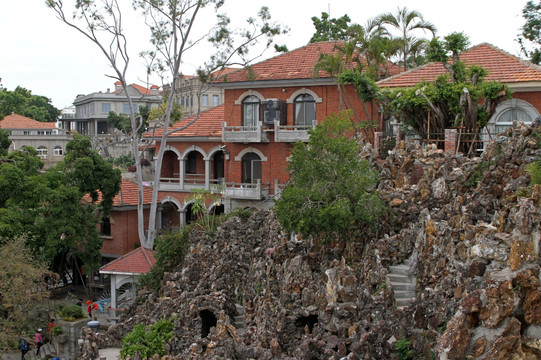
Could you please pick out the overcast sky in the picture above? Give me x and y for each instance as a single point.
(42, 54)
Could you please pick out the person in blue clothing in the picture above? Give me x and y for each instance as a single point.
(23, 346)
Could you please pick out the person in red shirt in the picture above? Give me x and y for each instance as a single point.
(52, 324)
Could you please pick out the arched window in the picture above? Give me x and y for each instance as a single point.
(250, 111)
(506, 118)
(57, 151)
(305, 109)
(43, 152)
(251, 167)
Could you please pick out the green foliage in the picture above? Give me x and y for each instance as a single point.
(205, 221)
(22, 286)
(534, 169)
(366, 88)
(5, 142)
(158, 113)
(402, 346)
(530, 37)
(477, 174)
(170, 252)
(71, 312)
(57, 330)
(22, 102)
(147, 342)
(330, 28)
(123, 161)
(331, 191)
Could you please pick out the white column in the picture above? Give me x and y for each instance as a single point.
(181, 173)
(207, 174)
(113, 295)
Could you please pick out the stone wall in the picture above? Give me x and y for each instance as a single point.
(469, 226)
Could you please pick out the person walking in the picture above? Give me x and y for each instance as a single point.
(39, 341)
(23, 346)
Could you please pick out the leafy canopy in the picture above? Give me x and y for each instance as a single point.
(530, 37)
(330, 28)
(331, 191)
(22, 102)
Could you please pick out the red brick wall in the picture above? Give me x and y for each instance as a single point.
(124, 234)
(532, 97)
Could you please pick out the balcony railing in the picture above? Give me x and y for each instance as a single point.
(247, 191)
(244, 134)
(191, 181)
(292, 133)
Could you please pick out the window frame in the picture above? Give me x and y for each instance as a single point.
(303, 100)
(251, 104)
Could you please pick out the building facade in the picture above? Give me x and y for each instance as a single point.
(92, 110)
(49, 141)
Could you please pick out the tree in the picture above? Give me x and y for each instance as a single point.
(531, 31)
(5, 142)
(331, 192)
(22, 285)
(171, 23)
(48, 207)
(22, 102)
(330, 29)
(461, 98)
(406, 22)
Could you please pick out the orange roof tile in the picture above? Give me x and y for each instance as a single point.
(138, 261)
(16, 121)
(127, 196)
(143, 90)
(209, 124)
(295, 64)
(501, 66)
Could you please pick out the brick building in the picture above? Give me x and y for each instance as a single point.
(240, 149)
(522, 77)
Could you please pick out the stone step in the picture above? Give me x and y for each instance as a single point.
(402, 303)
(399, 269)
(403, 286)
(403, 294)
(400, 279)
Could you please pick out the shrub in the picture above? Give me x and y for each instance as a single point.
(57, 330)
(71, 312)
(132, 168)
(145, 162)
(147, 342)
(402, 346)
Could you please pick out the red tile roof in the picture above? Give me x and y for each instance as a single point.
(16, 121)
(138, 261)
(209, 124)
(295, 64)
(501, 66)
(143, 90)
(127, 196)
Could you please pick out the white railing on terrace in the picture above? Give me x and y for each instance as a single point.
(244, 133)
(292, 133)
(252, 191)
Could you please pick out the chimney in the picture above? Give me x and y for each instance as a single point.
(13, 113)
(154, 90)
(118, 86)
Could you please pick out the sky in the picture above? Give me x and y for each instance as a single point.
(41, 54)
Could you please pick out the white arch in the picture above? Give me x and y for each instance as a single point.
(214, 150)
(249, 93)
(250, 149)
(173, 149)
(171, 200)
(186, 204)
(514, 103)
(291, 99)
(126, 280)
(193, 148)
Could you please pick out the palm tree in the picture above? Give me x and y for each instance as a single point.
(406, 22)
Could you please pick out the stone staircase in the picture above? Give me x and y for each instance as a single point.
(239, 320)
(402, 283)
(48, 350)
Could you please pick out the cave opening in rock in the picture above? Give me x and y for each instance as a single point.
(304, 321)
(208, 320)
